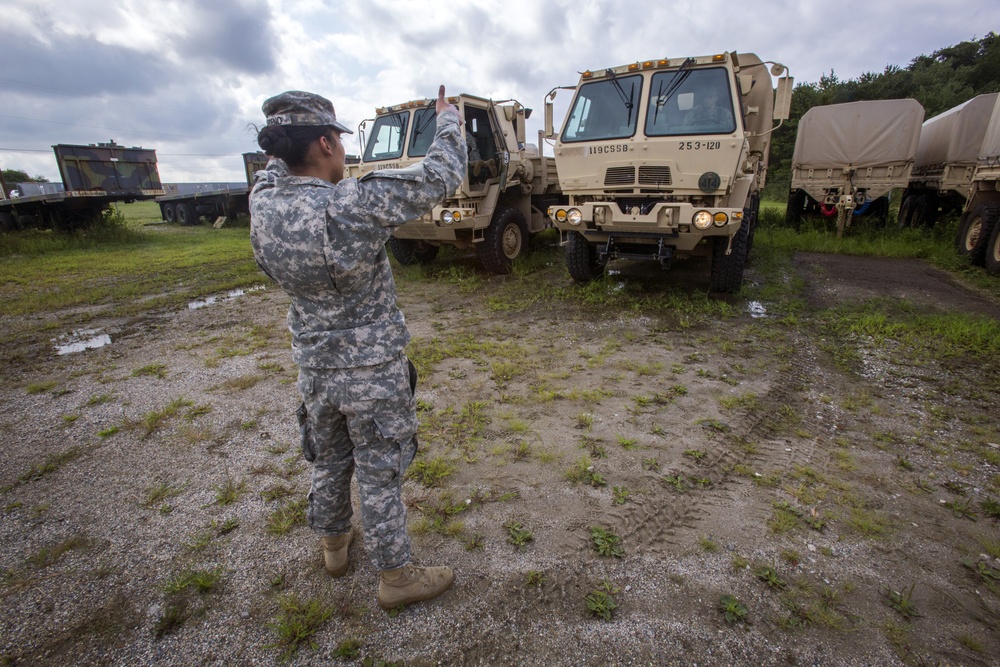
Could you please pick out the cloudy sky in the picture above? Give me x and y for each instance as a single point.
(187, 77)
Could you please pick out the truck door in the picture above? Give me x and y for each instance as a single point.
(485, 162)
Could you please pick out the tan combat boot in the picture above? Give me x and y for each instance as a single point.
(412, 584)
(335, 554)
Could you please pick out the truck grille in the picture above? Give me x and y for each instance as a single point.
(655, 176)
(619, 176)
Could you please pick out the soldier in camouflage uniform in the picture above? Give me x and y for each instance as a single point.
(321, 238)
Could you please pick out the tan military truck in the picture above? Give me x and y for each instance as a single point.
(946, 161)
(849, 157)
(503, 196)
(979, 227)
(665, 159)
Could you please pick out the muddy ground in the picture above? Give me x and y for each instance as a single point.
(838, 487)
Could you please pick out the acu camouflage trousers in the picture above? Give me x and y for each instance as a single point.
(360, 421)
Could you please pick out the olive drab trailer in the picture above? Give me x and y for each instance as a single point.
(503, 196)
(979, 227)
(849, 157)
(665, 159)
(186, 203)
(946, 160)
(93, 177)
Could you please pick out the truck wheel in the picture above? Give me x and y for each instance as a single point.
(169, 213)
(504, 240)
(6, 222)
(582, 260)
(186, 214)
(992, 262)
(977, 239)
(963, 223)
(412, 251)
(976, 233)
(921, 212)
(727, 270)
(906, 212)
(793, 211)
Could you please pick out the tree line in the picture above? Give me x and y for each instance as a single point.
(940, 81)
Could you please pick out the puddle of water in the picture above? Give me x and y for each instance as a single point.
(232, 294)
(78, 341)
(757, 309)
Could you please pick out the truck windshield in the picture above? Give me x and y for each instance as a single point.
(386, 141)
(697, 101)
(424, 124)
(606, 109)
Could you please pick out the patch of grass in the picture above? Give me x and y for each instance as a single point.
(534, 578)
(707, 544)
(869, 523)
(651, 464)
(200, 581)
(41, 387)
(287, 515)
(152, 421)
(746, 401)
(627, 443)
(431, 473)
(297, 621)
(606, 543)
(619, 495)
(230, 491)
(695, 454)
(583, 471)
(769, 576)
(50, 555)
(159, 492)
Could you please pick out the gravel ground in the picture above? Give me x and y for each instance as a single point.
(128, 467)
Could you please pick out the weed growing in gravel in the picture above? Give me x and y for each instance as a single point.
(708, 544)
(868, 523)
(157, 370)
(277, 492)
(297, 621)
(152, 421)
(601, 601)
(583, 471)
(606, 543)
(733, 611)
(901, 601)
(695, 454)
(161, 491)
(627, 443)
(991, 508)
(619, 495)
(585, 420)
(200, 581)
(534, 578)
(348, 649)
(230, 491)
(769, 576)
(47, 556)
(651, 464)
(41, 387)
(52, 463)
(287, 516)
(517, 534)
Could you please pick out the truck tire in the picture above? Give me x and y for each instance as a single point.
(6, 222)
(412, 251)
(992, 260)
(921, 212)
(582, 261)
(975, 235)
(186, 214)
(504, 241)
(793, 211)
(727, 270)
(170, 213)
(963, 222)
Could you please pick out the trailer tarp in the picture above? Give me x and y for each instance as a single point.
(990, 150)
(858, 135)
(955, 136)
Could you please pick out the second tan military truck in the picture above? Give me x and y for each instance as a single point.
(666, 158)
(503, 196)
(979, 227)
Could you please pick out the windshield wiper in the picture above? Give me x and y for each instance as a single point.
(626, 99)
(423, 126)
(680, 76)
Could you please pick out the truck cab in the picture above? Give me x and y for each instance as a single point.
(664, 159)
(498, 203)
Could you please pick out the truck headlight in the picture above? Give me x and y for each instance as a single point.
(574, 216)
(702, 220)
(448, 217)
(721, 219)
(561, 215)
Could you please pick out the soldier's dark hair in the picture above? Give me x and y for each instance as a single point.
(290, 142)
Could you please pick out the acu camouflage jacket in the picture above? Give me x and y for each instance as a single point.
(324, 244)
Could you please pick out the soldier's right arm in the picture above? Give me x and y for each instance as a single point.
(394, 196)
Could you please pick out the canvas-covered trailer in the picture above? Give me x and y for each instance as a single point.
(848, 157)
(947, 154)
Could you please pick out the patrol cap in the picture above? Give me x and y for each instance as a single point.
(297, 107)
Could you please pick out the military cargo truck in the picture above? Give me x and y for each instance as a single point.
(664, 159)
(946, 161)
(505, 192)
(979, 227)
(849, 157)
(93, 177)
(185, 203)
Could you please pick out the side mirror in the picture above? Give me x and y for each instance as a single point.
(549, 131)
(519, 126)
(783, 99)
